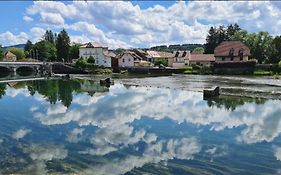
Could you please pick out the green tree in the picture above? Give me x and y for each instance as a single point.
(18, 52)
(74, 51)
(199, 50)
(1, 53)
(91, 59)
(63, 46)
(276, 54)
(46, 50)
(216, 35)
(27, 48)
(211, 41)
(49, 36)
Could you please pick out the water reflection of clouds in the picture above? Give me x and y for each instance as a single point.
(122, 106)
(19, 134)
(114, 113)
(155, 152)
(40, 154)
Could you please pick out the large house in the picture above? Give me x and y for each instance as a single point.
(9, 56)
(230, 51)
(102, 56)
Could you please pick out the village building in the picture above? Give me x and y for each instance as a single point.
(9, 56)
(231, 51)
(155, 55)
(102, 56)
(205, 60)
(181, 59)
(127, 59)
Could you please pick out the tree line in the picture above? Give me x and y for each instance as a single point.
(52, 47)
(264, 47)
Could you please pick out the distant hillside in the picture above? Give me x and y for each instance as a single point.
(176, 47)
(21, 46)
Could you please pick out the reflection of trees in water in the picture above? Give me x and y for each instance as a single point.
(232, 102)
(56, 90)
(2, 90)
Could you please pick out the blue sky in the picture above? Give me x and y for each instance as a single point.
(133, 24)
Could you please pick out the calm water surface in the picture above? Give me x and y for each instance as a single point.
(134, 127)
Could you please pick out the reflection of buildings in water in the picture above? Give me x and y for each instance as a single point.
(93, 88)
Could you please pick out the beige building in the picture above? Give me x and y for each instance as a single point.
(9, 56)
(154, 55)
(205, 60)
(231, 51)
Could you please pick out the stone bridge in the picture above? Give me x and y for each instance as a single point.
(26, 66)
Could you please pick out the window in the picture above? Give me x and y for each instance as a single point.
(104, 61)
(129, 60)
(222, 59)
(123, 60)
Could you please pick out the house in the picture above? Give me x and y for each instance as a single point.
(231, 51)
(9, 56)
(181, 59)
(128, 59)
(205, 60)
(155, 55)
(133, 59)
(100, 53)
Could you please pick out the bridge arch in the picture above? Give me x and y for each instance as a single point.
(26, 70)
(5, 69)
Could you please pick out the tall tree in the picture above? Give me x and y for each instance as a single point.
(1, 53)
(63, 46)
(74, 51)
(49, 36)
(218, 35)
(46, 50)
(211, 41)
(27, 48)
(276, 46)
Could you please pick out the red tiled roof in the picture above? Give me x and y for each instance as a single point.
(202, 57)
(223, 48)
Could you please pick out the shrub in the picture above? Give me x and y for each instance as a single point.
(279, 64)
(91, 59)
(161, 61)
(81, 63)
(262, 72)
(196, 67)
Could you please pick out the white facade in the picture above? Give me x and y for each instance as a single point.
(127, 60)
(99, 54)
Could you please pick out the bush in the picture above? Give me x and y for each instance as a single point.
(91, 59)
(161, 61)
(81, 63)
(104, 71)
(279, 64)
(262, 72)
(196, 67)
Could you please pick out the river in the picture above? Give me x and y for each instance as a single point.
(141, 125)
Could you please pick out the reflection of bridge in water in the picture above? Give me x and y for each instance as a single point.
(7, 78)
